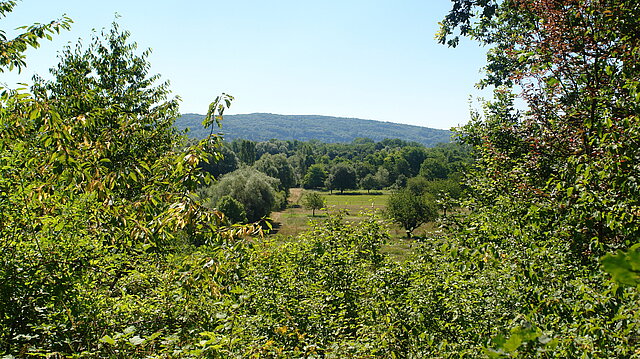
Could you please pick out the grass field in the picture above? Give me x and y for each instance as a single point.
(354, 205)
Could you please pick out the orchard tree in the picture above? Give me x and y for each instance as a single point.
(313, 201)
(410, 210)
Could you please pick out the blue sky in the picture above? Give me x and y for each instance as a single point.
(374, 59)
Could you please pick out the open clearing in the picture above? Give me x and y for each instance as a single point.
(354, 206)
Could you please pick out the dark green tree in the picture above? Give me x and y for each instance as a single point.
(222, 161)
(247, 152)
(342, 176)
(434, 168)
(414, 157)
(369, 182)
(277, 166)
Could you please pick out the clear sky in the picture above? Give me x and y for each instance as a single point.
(373, 59)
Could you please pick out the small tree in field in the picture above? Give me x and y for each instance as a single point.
(410, 211)
(313, 201)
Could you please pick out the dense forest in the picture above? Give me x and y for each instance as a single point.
(308, 127)
(109, 247)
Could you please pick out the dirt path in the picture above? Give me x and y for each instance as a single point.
(294, 195)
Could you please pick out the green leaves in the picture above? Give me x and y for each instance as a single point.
(411, 210)
(12, 51)
(518, 337)
(623, 266)
(216, 110)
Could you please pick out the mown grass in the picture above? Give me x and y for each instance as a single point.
(354, 205)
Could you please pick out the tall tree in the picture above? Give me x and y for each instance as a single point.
(576, 63)
(247, 152)
(556, 180)
(77, 216)
(369, 182)
(107, 90)
(315, 176)
(221, 160)
(278, 167)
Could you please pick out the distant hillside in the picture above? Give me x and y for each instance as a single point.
(266, 126)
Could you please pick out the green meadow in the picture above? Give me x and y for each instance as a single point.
(353, 206)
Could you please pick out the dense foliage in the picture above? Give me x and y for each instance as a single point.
(89, 232)
(364, 163)
(557, 180)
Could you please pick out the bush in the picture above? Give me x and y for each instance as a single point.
(253, 189)
(232, 209)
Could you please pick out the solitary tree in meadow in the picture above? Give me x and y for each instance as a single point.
(313, 201)
(410, 210)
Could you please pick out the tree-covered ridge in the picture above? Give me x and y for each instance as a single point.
(265, 126)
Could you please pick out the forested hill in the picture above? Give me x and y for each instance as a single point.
(266, 126)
